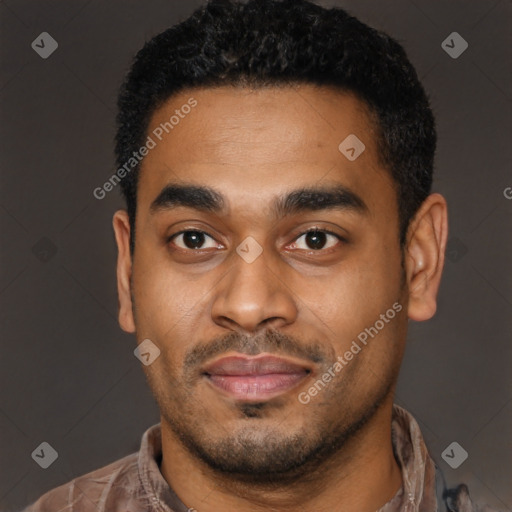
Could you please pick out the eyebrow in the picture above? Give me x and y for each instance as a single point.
(313, 198)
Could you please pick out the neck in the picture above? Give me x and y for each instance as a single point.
(362, 476)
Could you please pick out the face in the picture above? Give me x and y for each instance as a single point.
(263, 256)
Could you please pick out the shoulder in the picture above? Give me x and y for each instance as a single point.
(92, 491)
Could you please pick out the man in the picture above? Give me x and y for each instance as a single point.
(276, 159)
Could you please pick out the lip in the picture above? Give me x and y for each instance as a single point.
(255, 378)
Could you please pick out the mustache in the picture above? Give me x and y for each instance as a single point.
(270, 341)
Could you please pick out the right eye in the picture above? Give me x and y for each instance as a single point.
(192, 240)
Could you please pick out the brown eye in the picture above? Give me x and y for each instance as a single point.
(193, 240)
(317, 240)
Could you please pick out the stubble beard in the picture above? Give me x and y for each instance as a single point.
(272, 455)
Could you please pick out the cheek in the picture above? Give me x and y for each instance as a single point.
(165, 300)
(354, 296)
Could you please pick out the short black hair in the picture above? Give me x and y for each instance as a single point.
(262, 43)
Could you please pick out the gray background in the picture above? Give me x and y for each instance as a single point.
(68, 373)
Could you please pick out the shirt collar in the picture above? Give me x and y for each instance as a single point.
(156, 488)
(418, 491)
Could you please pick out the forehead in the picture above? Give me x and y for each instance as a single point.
(256, 142)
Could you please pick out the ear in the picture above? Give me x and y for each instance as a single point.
(424, 256)
(121, 225)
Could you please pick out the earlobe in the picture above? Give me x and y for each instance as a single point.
(424, 257)
(121, 226)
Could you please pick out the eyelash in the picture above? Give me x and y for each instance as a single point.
(312, 230)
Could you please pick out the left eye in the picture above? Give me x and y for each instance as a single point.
(316, 240)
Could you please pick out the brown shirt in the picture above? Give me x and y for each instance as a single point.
(135, 484)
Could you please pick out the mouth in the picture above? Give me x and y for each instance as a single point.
(255, 378)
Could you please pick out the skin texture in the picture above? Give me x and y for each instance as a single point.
(304, 303)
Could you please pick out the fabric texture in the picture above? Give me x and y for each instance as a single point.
(135, 483)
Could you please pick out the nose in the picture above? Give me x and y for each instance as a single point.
(252, 296)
